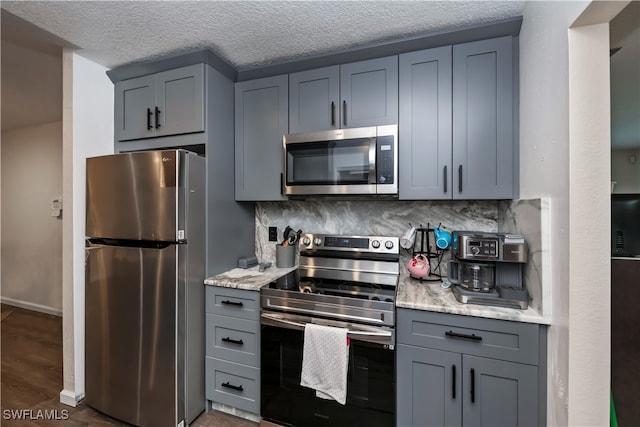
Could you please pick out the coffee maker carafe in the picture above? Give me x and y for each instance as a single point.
(488, 268)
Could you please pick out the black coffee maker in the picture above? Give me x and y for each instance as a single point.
(488, 269)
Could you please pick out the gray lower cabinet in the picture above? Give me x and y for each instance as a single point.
(162, 104)
(462, 371)
(232, 352)
(456, 126)
(261, 119)
(357, 94)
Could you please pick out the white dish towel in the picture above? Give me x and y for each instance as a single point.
(325, 361)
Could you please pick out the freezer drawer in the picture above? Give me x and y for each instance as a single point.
(131, 334)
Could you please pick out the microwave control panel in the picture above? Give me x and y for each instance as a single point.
(385, 161)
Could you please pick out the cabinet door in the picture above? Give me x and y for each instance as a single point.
(135, 100)
(498, 393)
(369, 91)
(314, 98)
(425, 124)
(180, 101)
(483, 119)
(261, 121)
(428, 387)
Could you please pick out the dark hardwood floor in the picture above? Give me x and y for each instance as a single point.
(31, 374)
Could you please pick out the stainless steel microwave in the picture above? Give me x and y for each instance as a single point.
(357, 161)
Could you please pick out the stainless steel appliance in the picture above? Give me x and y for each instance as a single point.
(144, 293)
(354, 161)
(342, 281)
(487, 268)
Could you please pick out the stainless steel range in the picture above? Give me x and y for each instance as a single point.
(342, 281)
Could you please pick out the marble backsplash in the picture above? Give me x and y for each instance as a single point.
(370, 217)
(530, 218)
(392, 218)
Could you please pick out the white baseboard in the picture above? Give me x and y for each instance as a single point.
(31, 306)
(69, 398)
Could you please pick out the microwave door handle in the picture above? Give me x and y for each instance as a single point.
(372, 161)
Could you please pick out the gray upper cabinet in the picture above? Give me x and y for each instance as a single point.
(483, 137)
(314, 100)
(456, 132)
(351, 95)
(425, 124)
(162, 104)
(261, 119)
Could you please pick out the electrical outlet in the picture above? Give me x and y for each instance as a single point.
(273, 234)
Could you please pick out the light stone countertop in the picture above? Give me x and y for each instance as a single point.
(411, 293)
(430, 296)
(247, 278)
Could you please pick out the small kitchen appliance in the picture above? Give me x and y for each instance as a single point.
(342, 162)
(488, 269)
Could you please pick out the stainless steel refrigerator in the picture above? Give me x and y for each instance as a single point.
(144, 292)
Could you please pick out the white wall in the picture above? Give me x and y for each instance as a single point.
(31, 237)
(590, 219)
(544, 165)
(565, 137)
(625, 170)
(87, 131)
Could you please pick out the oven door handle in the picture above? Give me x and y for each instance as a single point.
(301, 325)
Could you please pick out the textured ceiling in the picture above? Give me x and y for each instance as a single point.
(249, 34)
(246, 33)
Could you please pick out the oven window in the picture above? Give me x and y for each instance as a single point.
(328, 162)
(370, 385)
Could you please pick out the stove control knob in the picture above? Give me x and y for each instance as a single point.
(306, 241)
(375, 244)
(388, 244)
(317, 241)
(475, 250)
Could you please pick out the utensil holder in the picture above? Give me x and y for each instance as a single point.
(285, 256)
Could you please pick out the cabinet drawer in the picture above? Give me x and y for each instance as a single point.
(233, 302)
(233, 339)
(232, 384)
(497, 339)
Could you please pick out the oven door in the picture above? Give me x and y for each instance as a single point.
(370, 382)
